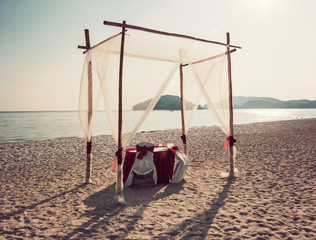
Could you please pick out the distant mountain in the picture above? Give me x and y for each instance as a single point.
(166, 102)
(266, 102)
(170, 102)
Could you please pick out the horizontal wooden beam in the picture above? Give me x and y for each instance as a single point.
(210, 58)
(87, 49)
(114, 24)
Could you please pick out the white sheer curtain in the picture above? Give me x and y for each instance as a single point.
(102, 59)
(150, 63)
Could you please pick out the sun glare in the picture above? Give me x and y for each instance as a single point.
(261, 5)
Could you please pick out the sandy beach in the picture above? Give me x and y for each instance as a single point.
(42, 195)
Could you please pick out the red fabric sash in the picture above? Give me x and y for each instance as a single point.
(119, 156)
(143, 151)
(173, 149)
(114, 165)
(117, 160)
(184, 139)
(230, 142)
(89, 147)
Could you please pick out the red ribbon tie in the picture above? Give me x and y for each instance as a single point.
(143, 151)
(89, 147)
(174, 149)
(184, 139)
(119, 155)
(230, 142)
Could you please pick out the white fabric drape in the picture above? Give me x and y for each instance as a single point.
(150, 64)
(208, 81)
(182, 166)
(103, 61)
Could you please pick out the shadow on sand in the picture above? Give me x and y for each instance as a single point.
(208, 217)
(105, 208)
(25, 208)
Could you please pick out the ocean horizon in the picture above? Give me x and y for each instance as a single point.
(17, 126)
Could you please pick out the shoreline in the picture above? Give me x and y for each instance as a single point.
(42, 195)
(149, 131)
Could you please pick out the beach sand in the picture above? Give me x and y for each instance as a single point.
(42, 195)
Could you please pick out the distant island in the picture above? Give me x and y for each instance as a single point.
(167, 102)
(173, 103)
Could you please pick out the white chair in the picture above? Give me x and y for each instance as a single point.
(143, 167)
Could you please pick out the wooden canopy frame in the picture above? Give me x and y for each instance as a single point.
(124, 27)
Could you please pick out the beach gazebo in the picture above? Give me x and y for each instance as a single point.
(138, 64)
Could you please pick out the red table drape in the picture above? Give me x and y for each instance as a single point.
(163, 160)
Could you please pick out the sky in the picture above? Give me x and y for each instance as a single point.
(41, 66)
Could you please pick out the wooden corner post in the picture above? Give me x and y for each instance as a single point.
(90, 109)
(183, 137)
(120, 103)
(90, 95)
(231, 120)
(119, 153)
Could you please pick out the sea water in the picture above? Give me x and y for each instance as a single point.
(23, 126)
